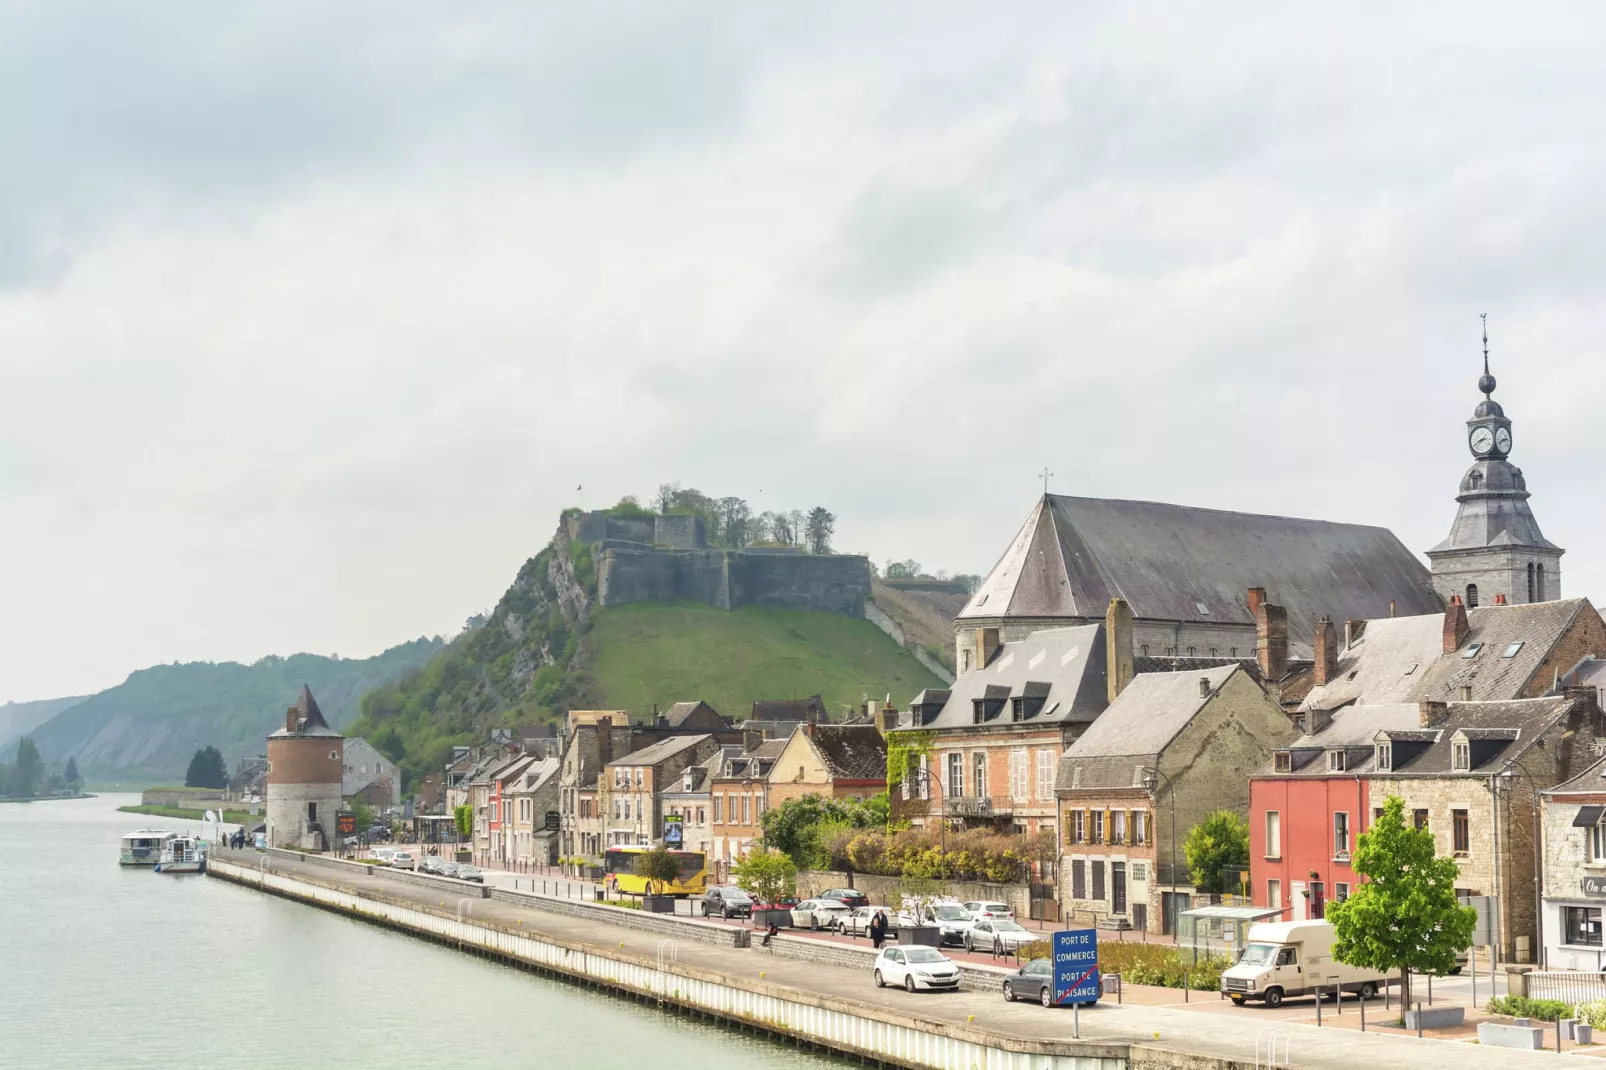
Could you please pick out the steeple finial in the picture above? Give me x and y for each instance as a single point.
(1485, 381)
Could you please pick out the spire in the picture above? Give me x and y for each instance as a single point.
(307, 707)
(1486, 381)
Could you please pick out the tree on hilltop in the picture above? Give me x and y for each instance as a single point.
(207, 769)
(666, 497)
(821, 525)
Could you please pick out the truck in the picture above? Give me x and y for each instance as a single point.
(1293, 958)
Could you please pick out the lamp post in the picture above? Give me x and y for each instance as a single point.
(922, 777)
(1151, 779)
(1539, 908)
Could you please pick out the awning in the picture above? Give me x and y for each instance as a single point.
(1587, 816)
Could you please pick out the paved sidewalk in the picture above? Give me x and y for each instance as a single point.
(1207, 1028)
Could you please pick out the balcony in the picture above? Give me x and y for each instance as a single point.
(978, 806)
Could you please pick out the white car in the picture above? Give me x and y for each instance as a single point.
(914, 966)
(954, 921)
(403, 860)
(979, 910)
(856, 922)
(998, 935)
(383, 854)
(818, 913)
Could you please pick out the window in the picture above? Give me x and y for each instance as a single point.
(702, 815)
(1076, 828)
(1019, 770)
(1140, 828)
(1118, 826)
(1318, 900)
(1337, 761)
(1047, 760)
(1192, 651)
(1419, 818)
(1461, 838)
(1078, 879)
(1472, 596)
(979, 779)
(1274, 894)
(956, 775)
(758, 807)
(1144, 649)
(1385, 757)
(312, 813)
(1539, 582)
(1597, 843)
(1340, 834)
(638, 776)
(1140, 871)
(719, 809)
(746, 817)
(1471, 651)
(1511, 651)
(1283, 762)
(1232, 652)
(1096, 831)
(1583, 925)
(1274, 834)
(1460, 756)
(1098, 880)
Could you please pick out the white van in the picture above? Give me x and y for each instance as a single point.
(1293, 958)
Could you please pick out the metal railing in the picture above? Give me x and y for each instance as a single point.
(1566, 986)
(977, 806)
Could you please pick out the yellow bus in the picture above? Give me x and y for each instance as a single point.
(619, 863)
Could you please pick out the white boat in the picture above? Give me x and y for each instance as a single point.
(144, 848)
(182, 854)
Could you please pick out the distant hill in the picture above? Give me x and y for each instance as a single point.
(145, 729)
(547, 648)
(19, 718)
(925, 612)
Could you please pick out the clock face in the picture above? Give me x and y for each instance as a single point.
(1482, 438)
(1502, 440)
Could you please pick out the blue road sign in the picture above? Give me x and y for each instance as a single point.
(1076, 966)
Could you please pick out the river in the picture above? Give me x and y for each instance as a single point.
(105, 966)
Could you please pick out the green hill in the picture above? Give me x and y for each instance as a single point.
(663, 652)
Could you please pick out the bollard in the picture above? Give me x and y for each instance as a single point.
(1118, 983)
(1363, 1012)
(1558, 1036)
(1338, 997)
(1419, 1019)
(1430, 990)
(1318, 1007)
(1076, 1022)
(1187, 987)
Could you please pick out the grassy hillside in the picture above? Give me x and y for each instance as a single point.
(20, 718)
(925, 617)
(665, 652)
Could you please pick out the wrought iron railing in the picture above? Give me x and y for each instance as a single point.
(1566, 986)
(977, 806)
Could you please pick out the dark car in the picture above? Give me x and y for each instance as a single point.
(379, 834)
(848, 897)
(1035, 980)
(728, 901)
(467, 872)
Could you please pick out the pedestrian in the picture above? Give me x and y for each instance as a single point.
(878, 928)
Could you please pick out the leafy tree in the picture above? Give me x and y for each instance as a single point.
(766, 874)
(734, 518)
(910, 569)
(1220, 841)
(464, 817)
(798, 826)
(1404, 915)
(658, 867)
(365, 816)
(390, 743)
(70, 774)
(206, 769)
(28, 771)
(666, 497)
(821, 525)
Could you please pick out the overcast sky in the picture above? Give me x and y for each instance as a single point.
(313, 316)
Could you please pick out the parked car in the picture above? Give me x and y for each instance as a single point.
(979, 909)
(383, 854)
(857, 922)
(954, 921)
(378, 832)
(915, 967)
(818, 913)
(403, 860)
(465, 872)
(849, 897)
(998, 935)
(1034, 980)
(728, 901)
(448, 869)
(430, 864)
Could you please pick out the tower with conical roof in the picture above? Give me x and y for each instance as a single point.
(305, 763)
(1495, 549)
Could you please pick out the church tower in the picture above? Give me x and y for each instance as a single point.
(1494, 547)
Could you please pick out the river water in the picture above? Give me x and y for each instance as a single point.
(102, 966)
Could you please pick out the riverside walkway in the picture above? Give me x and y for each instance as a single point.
(1132, 1035)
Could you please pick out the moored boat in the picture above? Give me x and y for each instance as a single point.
(144, 847)
(182, 854)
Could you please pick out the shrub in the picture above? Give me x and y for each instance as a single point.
(1544, 1010)
(1592, 1013)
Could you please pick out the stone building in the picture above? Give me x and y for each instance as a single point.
(837, 761)
(738, 797)
(692, 800)
(1495, 546)
(366, 772)
(529, 798)
(1183, 571)
(1170, 749)
(304, 778)
(630, 789)
(1573, 849)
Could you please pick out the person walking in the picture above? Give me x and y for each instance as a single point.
(878, 928)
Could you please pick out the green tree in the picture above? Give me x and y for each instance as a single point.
(28, 770)
(819, 528)
(1404, 915)
(658, 867)
(390, 743)
(796, 827)
(206, 769)
(1219, 842)
(464, 816)
(767, 875)
(364, 814)
(70, 774)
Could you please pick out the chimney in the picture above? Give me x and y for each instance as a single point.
(751, 738)
(604, 741)
(1257, 598)
(1391, 607)
(1271, 641)
(1499, 599)
(1117, 648)
(1455, 624)
(1326, 651)
(808, 729)
(986, 646)
(1204, 687)
(1431, 714)
(290, 719)
(1353, 630)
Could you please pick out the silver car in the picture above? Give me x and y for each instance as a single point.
(818, 913)
(998, 935)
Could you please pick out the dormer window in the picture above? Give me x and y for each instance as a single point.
(1337, 761)
(1385, 757)
(1460, 756)
(1283, 762)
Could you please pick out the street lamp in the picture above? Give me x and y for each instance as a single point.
(1539, 908)
(1151, 779)
(922, 778)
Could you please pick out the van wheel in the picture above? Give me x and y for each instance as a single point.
(1455, 971)
(1274, 997)
(1368, 991)
(1237, 1001)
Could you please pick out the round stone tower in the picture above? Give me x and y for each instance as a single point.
(304, 768)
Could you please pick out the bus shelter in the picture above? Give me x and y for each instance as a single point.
(1220, 929)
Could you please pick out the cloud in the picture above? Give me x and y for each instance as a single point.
(310, 320)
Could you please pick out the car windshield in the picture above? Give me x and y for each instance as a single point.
(467, 869)
(1258, 954)
(952, 913)
(923, 954)
(734, 894)
(1004, 926)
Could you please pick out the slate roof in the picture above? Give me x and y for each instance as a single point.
(680, 712)
(789, 709)
(1355, 729)
(1174, 562)
(310, 718)
(539, 773)
(1142, 721)
(850, 751)
(1591, 781)
(654, 753)
(1493, 511)
(752, 764)
(1062, 666)
(1402, 660)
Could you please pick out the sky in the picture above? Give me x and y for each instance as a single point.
(313, 317)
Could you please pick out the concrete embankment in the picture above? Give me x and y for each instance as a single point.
(807, 995)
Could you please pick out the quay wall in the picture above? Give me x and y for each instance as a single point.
(840, 1025)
